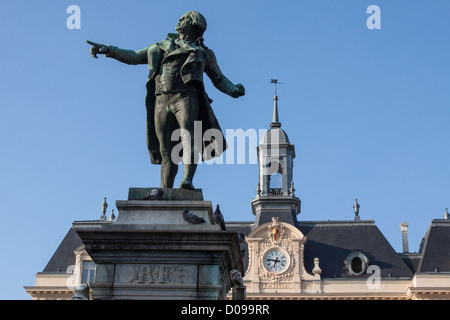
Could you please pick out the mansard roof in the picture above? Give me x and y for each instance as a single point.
(64, 255)
(333, 241)
(435, 247)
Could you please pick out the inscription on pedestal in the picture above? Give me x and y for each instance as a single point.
(154, 273)
(151, 274)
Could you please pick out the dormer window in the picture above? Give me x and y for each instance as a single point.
(356, 263)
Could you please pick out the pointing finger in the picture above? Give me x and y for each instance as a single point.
(97, 45)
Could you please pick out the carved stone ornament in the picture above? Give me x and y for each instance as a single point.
(276, 259)
(280, 243)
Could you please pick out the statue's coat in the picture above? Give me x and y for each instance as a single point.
(200, 60)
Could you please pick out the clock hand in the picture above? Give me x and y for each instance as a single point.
(276, 261)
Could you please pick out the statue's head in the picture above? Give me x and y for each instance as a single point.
(193, 20)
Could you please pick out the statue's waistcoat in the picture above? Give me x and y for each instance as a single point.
(169, 79)
(166, 52)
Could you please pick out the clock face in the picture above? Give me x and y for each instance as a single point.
(276, 260)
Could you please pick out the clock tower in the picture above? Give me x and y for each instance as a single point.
(275, 191)
(275, 244)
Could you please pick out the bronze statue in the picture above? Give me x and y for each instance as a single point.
(176, 96)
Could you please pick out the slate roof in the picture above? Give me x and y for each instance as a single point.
(412, 260)
(333, 241)
(435, 247)
(64, 255)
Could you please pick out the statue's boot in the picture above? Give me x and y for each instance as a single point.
(168, 172)
(189, 171)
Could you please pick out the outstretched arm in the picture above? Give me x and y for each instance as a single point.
(220, 81)
(122, 55)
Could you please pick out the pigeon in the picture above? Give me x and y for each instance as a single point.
(192, 218)
(154, 194)
(218, 218)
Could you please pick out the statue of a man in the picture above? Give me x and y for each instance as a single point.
(176, 96)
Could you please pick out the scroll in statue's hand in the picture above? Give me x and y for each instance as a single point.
(98, 48)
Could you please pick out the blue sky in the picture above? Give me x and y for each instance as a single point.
(367, 110)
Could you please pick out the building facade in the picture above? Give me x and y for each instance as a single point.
(285, 258)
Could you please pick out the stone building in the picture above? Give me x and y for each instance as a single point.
(287, 258)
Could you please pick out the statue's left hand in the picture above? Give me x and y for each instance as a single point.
(238, 91)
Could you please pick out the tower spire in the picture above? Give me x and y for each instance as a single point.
(275, 120)
(275, 192)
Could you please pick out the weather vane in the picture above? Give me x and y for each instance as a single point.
(275, 81)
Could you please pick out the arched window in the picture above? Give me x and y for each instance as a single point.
(276, 179)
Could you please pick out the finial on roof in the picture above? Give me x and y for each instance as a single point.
(275, 121)
(292, 190)
(112, 216)
(258, 189)
(316, 271)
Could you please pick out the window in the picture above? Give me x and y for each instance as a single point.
(88, 272)
(276, 179)
(356, 263)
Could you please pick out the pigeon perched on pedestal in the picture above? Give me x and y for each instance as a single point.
(154, 194)
(218, 218)
(192, 218)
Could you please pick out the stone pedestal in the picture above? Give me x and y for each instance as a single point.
(150, 252)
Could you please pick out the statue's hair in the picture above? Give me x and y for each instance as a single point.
(198, 22)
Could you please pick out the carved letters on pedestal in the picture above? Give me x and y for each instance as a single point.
(157, 274)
